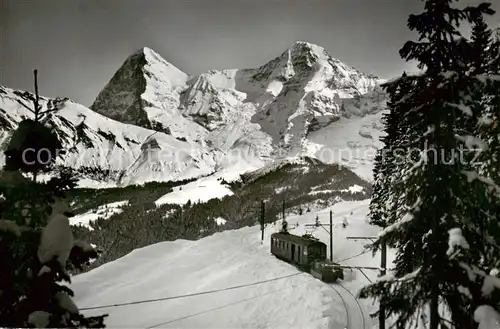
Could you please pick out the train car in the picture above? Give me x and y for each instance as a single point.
(301, 251)
(307, 253)
(326, 271)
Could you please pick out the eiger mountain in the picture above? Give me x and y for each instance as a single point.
(153, 122)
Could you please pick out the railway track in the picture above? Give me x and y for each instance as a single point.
(352, 321)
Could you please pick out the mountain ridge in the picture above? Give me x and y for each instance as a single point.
(146, 67)
(229, 118)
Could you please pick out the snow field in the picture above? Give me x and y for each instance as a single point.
(223, 260)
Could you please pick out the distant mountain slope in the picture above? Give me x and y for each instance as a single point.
(268, 112)
(153, 212)
(113, 151)
(238, 118)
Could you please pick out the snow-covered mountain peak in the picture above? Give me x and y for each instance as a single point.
(303, 52)
(310, 48)
(158, 68)
(148, 52)
(305, 63)
(308, 89)
(298, 62)
(144, 91)
(302, 43)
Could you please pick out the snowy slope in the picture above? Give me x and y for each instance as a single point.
(352, 142)
(104, 211)
(130, 154)
(210, 187)
(223, 260)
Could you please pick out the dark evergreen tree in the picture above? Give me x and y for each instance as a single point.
(431, 209)
(385, 171)
(480, 50)
(481, 210)
(36, 242)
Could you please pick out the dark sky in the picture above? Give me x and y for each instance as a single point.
(77, 45)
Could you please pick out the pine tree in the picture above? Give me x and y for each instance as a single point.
(432, 208)
(36, 242)
(385, 161)
(480, 46)
(485, 175)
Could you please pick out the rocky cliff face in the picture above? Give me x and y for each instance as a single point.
(145, 80)
(121, 98)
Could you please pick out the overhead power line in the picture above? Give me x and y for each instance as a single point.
(190, 295)
(357, 255)
(229, 304)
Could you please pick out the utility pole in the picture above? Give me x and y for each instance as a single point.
(262, 216)
(36, 101)
(36, 109)
(283, 209)
(329, 231)
(331, 236)
(383, 265)
(434, 303)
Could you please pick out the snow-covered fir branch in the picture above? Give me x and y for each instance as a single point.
(472, 175)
